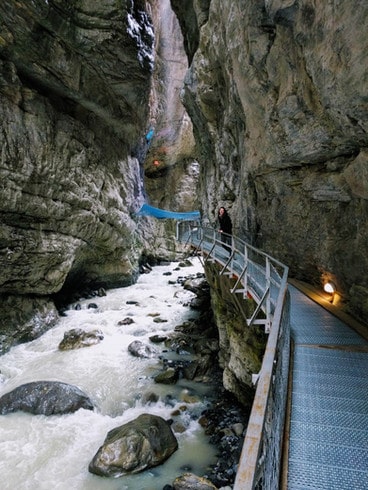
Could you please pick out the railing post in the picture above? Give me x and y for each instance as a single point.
(214, 239)
(245, 283)
(268, 299)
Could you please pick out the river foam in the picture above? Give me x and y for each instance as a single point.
(39, 452)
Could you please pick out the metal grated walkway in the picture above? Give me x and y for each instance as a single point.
(328, 432)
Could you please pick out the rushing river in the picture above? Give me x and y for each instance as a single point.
(39, 452)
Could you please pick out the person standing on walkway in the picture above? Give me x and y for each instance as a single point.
(225, 228)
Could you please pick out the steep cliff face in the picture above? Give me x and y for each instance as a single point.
(170, 163)
(81, 84)
(75, 82)
(277, 93)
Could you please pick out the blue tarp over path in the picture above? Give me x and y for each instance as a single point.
(147, 210)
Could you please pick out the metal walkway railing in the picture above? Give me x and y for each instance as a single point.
(265, 279)
(257, 273)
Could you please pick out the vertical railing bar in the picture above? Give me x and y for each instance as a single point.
(268, 299)
(245, 284)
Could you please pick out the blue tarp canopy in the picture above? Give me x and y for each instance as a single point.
(147, 210)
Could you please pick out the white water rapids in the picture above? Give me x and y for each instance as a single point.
(39, 452)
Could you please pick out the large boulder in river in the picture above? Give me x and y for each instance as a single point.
(77, 338)
(46, 398)
(197, 285)
(138, 445)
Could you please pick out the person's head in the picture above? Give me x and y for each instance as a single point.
(222, 211)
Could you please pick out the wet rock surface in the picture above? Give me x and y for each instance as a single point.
(138, 445)
(278, 104)
(23, 319)
(77, 338)
(73, 78)
(46, 398)
(225, 423)
(188, 481)
(140, 349)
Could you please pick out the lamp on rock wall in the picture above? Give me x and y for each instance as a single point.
(330, 288)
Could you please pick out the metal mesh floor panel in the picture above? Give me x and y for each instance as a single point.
(312, 354)
(317, 402)
(328, 443)
(312, 476)
(307, 337)
(330, 434)
(329, 454)
(322, 334)
(312, 324)
(328, 366)
(330, 380)
(351, 420)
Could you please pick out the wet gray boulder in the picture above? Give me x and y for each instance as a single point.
(189, 481)
(169, 377)
(136, 446)
(139, 349)
(197, 285)
(45, 398)
(77, 338)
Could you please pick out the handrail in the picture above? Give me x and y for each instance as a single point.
(265, 278)
(259, 274)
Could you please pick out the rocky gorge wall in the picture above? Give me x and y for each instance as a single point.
(170, 165)
(74, 92)
(241, 349)
(277, 93)
(275, 96)
(81, 84)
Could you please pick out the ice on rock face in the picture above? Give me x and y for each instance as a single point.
(141, 31)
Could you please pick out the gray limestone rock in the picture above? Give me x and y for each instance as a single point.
(168, 377)
(189, 481)
(73, 79)
(76, 96)
(278, 104)
(24, 318)
(77, 338)
(139, 349)
(46, 398)
(138, 445)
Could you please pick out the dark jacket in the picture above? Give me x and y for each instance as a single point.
(225, 223)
